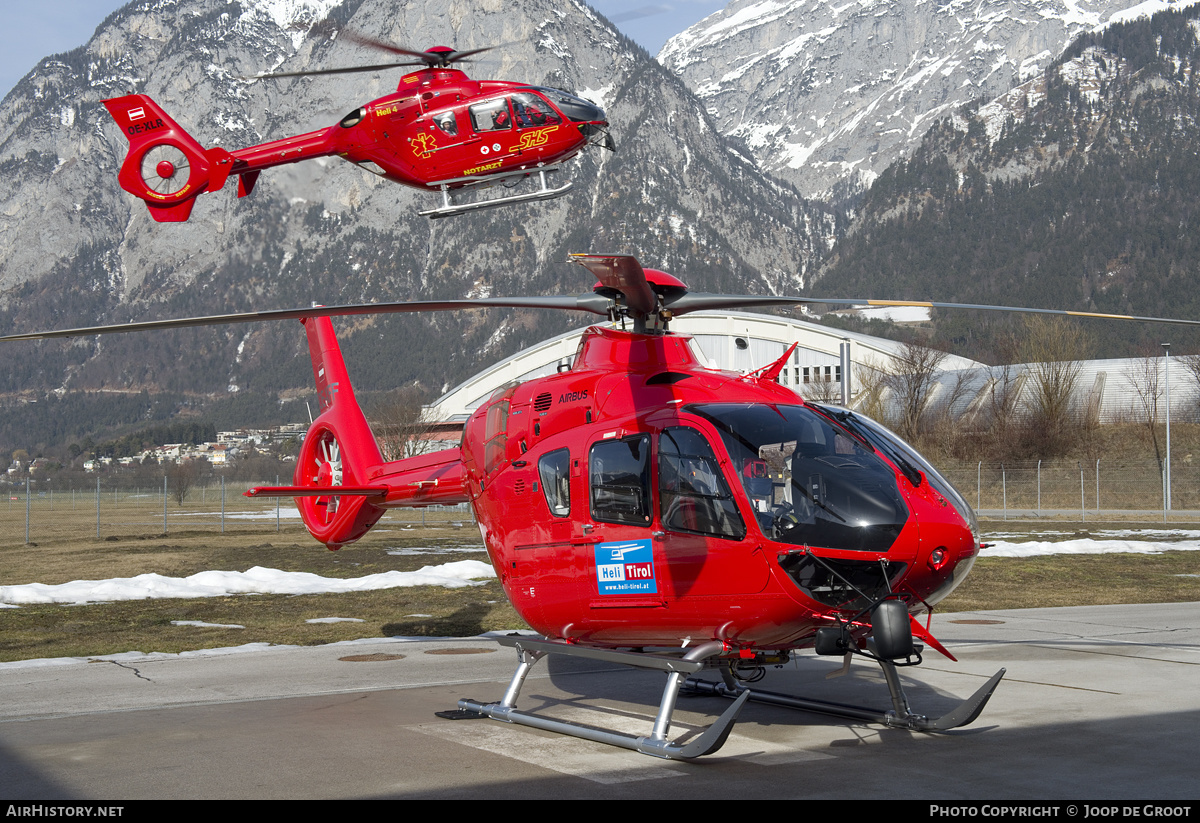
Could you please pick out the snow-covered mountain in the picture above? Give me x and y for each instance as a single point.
(1075, 190)
(827, 94)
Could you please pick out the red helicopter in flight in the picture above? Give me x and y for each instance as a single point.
(440, 131)
(645, 509)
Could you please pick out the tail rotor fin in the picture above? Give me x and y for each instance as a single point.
(165, 165)
(339, 451)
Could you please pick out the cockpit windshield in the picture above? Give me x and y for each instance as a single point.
(809, 481)
(575, 108)
(906, 457)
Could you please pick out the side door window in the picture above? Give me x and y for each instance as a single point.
(492, 115)
(554, 469)
(619, 474)
(693, 495)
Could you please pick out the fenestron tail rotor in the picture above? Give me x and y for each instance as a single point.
(165, 169)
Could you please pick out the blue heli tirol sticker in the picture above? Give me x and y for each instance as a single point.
(626, 567)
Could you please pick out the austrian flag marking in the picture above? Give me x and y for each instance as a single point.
(136, 114)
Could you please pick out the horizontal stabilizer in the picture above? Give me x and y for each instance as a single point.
(316, 491)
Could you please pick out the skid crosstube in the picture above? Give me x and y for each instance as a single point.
(531, 650)
(679, 670)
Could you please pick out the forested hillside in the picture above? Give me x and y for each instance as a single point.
(1075, 191)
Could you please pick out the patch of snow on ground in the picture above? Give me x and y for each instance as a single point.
(255, 581)
(1108, 541)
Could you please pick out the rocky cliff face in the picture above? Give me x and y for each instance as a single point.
(75, 249)
(827, 95)
(1071, 191)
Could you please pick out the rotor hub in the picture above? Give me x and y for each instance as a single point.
(165, 169)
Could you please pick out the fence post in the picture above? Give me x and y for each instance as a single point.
(1039, 509)
(1097, 487)
(1004, 489)
(164, 504)
(1163, 476)
(1082, 498)
(97, 508)
(26, 509)
(978, 476)
(277, 507)
(222, 504)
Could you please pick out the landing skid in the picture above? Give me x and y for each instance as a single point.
(900, 716)
(530, 651)
(450, 208)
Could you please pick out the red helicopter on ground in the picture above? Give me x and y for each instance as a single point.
(645, 509)
(439, 131)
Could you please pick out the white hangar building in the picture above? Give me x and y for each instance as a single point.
(736, 341)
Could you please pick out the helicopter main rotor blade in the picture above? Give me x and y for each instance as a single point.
(687, 303)
(592, 303)
(376, 43)
(429, 57)
(351, 70)
(623, 273)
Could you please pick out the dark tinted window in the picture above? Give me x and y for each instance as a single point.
(555, 472)
(620, 480)
(573, 107)
(810, 481)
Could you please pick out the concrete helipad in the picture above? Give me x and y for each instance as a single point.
(1099, 703)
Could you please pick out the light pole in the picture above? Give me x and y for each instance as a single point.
(1167, 361)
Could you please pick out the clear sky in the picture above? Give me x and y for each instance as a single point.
(35, 30)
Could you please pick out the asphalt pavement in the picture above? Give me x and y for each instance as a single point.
(1098, 703)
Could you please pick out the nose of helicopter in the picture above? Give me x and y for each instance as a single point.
(948, 552)
(585, 115)
(590, 112)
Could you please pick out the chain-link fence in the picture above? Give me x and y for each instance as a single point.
(116, 509)
(1084, 488)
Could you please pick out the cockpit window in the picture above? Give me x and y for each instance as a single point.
(810, 482)
(693, 495)
(907, 459)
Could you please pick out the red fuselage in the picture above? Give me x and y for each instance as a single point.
(442, 127)
(642, 499)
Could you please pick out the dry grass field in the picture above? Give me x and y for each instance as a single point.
(63, 547)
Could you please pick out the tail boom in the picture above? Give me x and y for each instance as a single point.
(341, 485)
(436, 479)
